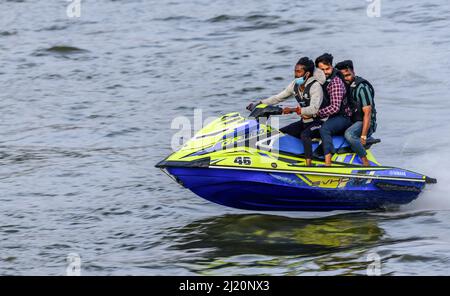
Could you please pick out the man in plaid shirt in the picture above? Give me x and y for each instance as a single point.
(334, 110)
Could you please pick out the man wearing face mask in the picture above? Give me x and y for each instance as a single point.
(307, 89)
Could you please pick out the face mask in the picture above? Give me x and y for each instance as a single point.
(300, 81)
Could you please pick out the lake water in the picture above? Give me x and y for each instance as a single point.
(86, 110)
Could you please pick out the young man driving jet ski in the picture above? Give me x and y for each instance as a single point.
(307, 89)
(361, 99)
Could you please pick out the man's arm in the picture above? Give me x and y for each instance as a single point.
(367, 110)
(282, 96)
(316, 93)
(366, 102)
(336, 89)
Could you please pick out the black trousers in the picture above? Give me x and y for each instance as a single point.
(305, 132)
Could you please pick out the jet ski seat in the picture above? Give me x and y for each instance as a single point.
(292, 145)
(347, 149)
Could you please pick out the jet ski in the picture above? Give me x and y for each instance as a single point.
(245, 163)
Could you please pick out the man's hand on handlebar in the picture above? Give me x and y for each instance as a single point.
(252, 106)
(289, 110)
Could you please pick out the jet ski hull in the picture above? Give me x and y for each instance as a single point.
(273, 191)
(248, 164)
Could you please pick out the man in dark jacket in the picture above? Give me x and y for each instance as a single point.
(307, 90)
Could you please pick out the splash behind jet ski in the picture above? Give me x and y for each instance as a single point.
(245, 163)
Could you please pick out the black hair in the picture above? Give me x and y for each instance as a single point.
(307, 64)
(326, 59)
(347, 64)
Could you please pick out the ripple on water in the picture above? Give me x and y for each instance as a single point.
(53, 28)
(298, 30)
(263, 25)
(7, 33)
(63, 51)
(175, 18)
(223, 18)
(21, 154)
(123, 132)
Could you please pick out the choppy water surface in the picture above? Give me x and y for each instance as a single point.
(86, 109)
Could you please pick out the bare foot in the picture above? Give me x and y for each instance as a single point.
(365, 161)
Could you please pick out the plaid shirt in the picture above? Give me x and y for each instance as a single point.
(336, 90)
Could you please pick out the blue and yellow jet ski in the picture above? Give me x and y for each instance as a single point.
(247, 164)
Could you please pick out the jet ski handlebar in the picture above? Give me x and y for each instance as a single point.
(263, 110)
